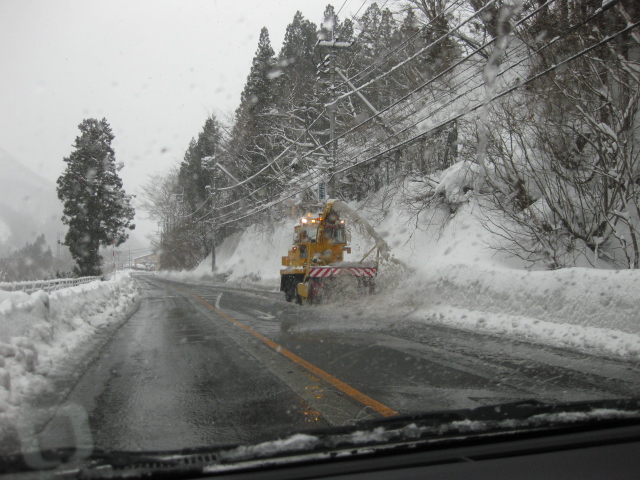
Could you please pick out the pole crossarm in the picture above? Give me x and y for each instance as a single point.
(333, 43)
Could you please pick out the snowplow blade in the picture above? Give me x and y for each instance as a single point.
(346, 281)
(303, 290)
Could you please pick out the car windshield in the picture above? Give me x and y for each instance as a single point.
(460, 179)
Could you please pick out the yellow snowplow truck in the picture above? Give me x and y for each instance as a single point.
(315, 268)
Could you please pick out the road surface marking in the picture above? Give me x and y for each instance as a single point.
(262, 315)
(339, 384)
(218, 301)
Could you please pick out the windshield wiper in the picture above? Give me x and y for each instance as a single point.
(437, 429)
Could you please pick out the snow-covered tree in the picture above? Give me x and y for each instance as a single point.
(297, 122)
(250, 139)
(96, 207)
(195, 171)
(194, 177)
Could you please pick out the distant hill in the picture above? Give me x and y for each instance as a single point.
(29, 206)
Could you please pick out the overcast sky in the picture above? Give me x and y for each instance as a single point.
(154, 69)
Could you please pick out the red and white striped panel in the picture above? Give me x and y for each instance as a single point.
(319, 272)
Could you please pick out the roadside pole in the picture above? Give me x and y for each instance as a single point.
(213, 193)
(332, 45)
(214, 229)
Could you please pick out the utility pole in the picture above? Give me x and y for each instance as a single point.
(332, 45)
(376, 114)
(213, 192)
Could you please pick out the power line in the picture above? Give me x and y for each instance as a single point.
(460, 114)
(406, 42)
(365, 1)
(415, 55)
(252, 193)
(314, 173)
(343, 4)
(497, 96)
(408, 95)
(512, 66)
(270, 164)
(246, 180)
(479, 85)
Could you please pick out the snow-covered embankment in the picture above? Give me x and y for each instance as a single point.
(455, 278)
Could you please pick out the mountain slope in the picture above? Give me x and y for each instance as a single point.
(29, 206)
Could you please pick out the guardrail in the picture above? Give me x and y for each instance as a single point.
(46, 285)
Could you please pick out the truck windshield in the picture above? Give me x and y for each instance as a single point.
(308, 234)
(336, 234)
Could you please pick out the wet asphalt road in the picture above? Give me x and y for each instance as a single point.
(183, 372)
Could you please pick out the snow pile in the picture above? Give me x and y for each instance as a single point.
(255, 255)
(457, 180)
(252, 257)
(461, 281)
(39, 333)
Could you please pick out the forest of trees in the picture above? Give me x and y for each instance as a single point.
(35, 261)
(539, 99)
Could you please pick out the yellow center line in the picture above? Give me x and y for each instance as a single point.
(339, 384)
